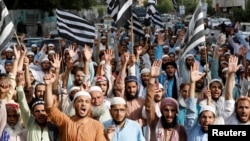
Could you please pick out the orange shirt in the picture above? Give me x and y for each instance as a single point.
(71, 130)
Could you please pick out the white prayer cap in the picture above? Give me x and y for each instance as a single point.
(76, 64)
(95, 88)
(103, 37)
(216, 80)
(163, 56)
(165, 46)
(173, 36)
(225, 69)
(151, 1)
(30, 53)
(51, 45)
(45, 59)
(189, 55)
(160, 86)
(117, 100)
(207, 108)
(73, 88)
(214, 45)
(9, 49)
(147, 35)
(34, 45)
(158, 30)
(177, 48)
(201, 47)
(126, 37)
(206, 67)
(51, 52)
(227, 53)
(145, 70)
(81, 93)
(224, 62)
(94, 63)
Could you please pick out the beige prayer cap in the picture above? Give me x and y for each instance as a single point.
(95, 88)
(81, 93)
(207, 108)
(117, 100)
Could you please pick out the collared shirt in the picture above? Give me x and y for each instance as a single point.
(131, 131)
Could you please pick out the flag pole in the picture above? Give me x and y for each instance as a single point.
(206, 65)
(17, 38)
(132, 34)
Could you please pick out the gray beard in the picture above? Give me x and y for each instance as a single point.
(16, 130)
(98, 111)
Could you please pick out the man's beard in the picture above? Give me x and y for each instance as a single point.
(78, 83)
(14, 130)
(98, 111)
(131, 97)
(188, 66)
(41, 124)
(144, 84)
(200, 87)
(166, 125)
(119, 122)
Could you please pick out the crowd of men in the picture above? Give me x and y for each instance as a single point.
(119, 90)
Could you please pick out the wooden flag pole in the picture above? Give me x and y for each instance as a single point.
(17, 38)
(132, 34)
(206, 66)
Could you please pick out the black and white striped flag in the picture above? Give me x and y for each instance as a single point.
(156, 19)
(124, 12)
(112, 8)
(174, 4)
(75, 28)
(151, 8)
(195, 32)
(7, 29)
(137, 27)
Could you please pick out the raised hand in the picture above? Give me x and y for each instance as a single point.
(139, 51)
(45, 48)
(26, 61)
(72, 52)
(49, 78)
(17, 52)
(23, 50)
(155, 69)
(110, 132)
(125, 58)
(20, 80)
(195, 75)
(108, 55)
(56, 61)
(4, 88)
(233, 64)
(87, 52)
(160, 39)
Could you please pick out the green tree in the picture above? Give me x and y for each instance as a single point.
(165, 6)
(210, 10)
(49, 5)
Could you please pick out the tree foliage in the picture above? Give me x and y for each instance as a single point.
(48, 5)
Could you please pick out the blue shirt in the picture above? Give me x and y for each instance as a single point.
(169, 85)
(131, 131)
(192, 126)
(5, 136)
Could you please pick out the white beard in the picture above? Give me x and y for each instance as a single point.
(16, 130)
(98, 111)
